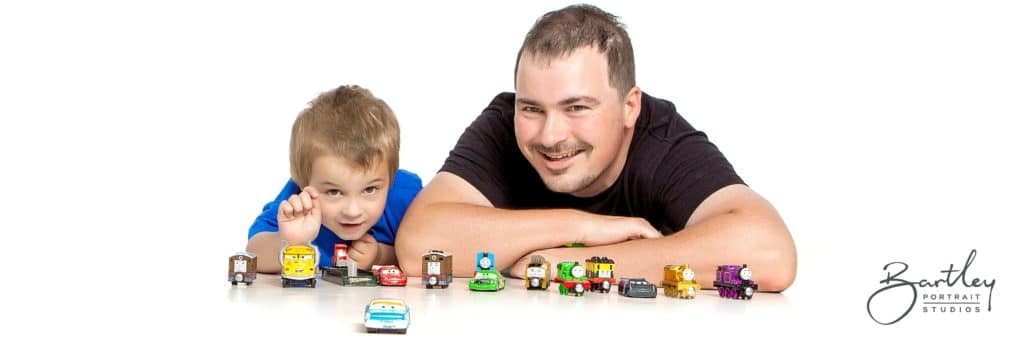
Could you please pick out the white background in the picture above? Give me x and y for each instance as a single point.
(140, 140)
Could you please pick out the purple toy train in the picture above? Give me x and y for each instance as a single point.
(735, 282)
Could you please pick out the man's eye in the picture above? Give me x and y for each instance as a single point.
(578, 108)
(531, 109)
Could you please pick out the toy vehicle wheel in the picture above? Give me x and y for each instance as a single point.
(234, 283)
(284, 283)
(312, 283)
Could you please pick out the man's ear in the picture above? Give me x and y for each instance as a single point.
(631, 106)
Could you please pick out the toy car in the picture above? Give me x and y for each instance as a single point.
(344, 271)
(537, 273)
(573, 279)
(386, 316)
(679, 282)
(637, 288)
(242, 268)
(299, 265)
(486, 278)
(601, 273)
(389, 275)
(735, 282)
(437, 269)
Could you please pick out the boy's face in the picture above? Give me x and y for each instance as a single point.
(351, 198)
(570, 123)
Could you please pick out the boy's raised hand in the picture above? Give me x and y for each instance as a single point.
(298, 217)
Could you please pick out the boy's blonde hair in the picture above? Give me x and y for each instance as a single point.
(348, 122)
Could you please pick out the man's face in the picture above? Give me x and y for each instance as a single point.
(351, 198)
(570, 123)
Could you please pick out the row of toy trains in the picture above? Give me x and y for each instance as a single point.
(299, 264)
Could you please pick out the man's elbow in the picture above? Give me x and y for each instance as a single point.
(779, 270)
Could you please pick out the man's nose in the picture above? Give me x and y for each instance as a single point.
(555, 130)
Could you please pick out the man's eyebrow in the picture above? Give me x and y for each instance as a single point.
(565, 102)
(578, 99)
(527, 101)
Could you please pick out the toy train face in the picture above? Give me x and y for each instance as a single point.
(298, 265)
(484, 261)
(242, 268)
(437, 269)
(735, 282)
(537, 274)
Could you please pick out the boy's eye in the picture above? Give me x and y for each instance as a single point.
(334, 192)
(371, 190)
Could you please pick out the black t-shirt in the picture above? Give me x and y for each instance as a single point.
(670, 168)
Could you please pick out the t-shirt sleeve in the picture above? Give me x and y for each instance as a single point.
(693, 170)
(405, 188)
(267, 219)
(482, 151)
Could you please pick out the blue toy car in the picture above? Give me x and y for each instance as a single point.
(386, 316)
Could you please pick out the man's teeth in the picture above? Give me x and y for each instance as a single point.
(560, 156)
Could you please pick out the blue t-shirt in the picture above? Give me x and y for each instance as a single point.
(400, 195)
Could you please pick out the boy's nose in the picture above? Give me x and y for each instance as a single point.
(351, 210)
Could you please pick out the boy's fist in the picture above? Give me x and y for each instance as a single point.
(298, 217)
(364, 251)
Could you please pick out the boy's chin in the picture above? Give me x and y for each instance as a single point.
(350, 235)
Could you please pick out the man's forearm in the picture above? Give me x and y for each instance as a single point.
(733, 238)
(465, 229)
(267, 247)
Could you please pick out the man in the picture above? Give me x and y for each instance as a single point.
(580, 155)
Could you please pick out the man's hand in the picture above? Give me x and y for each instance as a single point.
(364, 251)
(604, 230)
(298, 217)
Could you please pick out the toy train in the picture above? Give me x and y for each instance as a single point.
(735, 282)
(573, 279)
(486, 278)
(679, 282)
(601, 274)
(537, 273)
(437, 269)
(242, 268)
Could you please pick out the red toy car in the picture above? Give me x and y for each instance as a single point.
(389, 275)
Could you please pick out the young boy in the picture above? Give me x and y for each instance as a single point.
(344, 156)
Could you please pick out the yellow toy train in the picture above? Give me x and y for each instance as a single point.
(679, 282)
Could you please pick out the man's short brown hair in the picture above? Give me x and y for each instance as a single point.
(348, 122)
(559, 33)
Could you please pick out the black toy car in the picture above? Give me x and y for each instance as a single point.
(637, 288)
